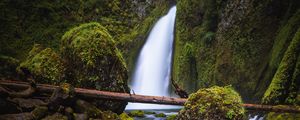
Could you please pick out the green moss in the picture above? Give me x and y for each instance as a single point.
(92, 111)
(136, 113)
(171, 117)
(108, 115)
(213, 103)
(283, 79)
(124, 116)
(94, 61)
(196, 23)
(160, 115)
(282, 116)
(45, 65)
(281, 43)
(27, 22)
(234, 43)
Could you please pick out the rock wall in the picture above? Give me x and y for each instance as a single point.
(237, 42)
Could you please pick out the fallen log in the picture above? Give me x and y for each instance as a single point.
(96, 94)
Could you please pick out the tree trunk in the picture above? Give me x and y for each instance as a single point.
(95, 94)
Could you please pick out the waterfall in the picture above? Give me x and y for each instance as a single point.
(152, 72)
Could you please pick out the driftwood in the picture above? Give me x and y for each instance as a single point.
(95, 94)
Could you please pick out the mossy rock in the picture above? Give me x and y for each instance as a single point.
(282, 116)
(124, 116)
(285, 83)
(150, 112)
(216, 103)
(93, 61)
(44, 64)
(171, 117)
(108, 115)
(160, 115)
(137, 113)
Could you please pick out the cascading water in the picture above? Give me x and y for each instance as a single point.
(152, 72)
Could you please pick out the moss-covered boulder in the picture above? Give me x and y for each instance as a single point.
(171, 117)
(124, 116)
(44, 64)
(136, 113)
(93, 61)
(215, 103)
(160, 115)
(282, 116)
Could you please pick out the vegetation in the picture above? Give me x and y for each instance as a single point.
(160, 115)
(171, 117)
(213, 103)
(232, 42)
(136, 113)
(124, 116)
(45, 65)
(285, 84)
(252, 45)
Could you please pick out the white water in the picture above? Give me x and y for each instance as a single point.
(152, 72)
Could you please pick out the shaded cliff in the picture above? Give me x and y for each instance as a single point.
(240, 42)
(24, 23)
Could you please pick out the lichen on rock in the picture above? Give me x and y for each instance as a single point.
(216, 103)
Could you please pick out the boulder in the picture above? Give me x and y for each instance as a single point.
(215, 103)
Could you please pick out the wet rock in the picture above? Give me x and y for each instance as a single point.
(136, 113)
(160, 115)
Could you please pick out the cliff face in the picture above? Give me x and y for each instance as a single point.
(24, 23)
(238, 42)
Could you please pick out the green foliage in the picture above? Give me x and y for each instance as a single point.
(44, 22)
(286, 75)
(218, 103)
(45, 65)
(124, 116)
(136, 113)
